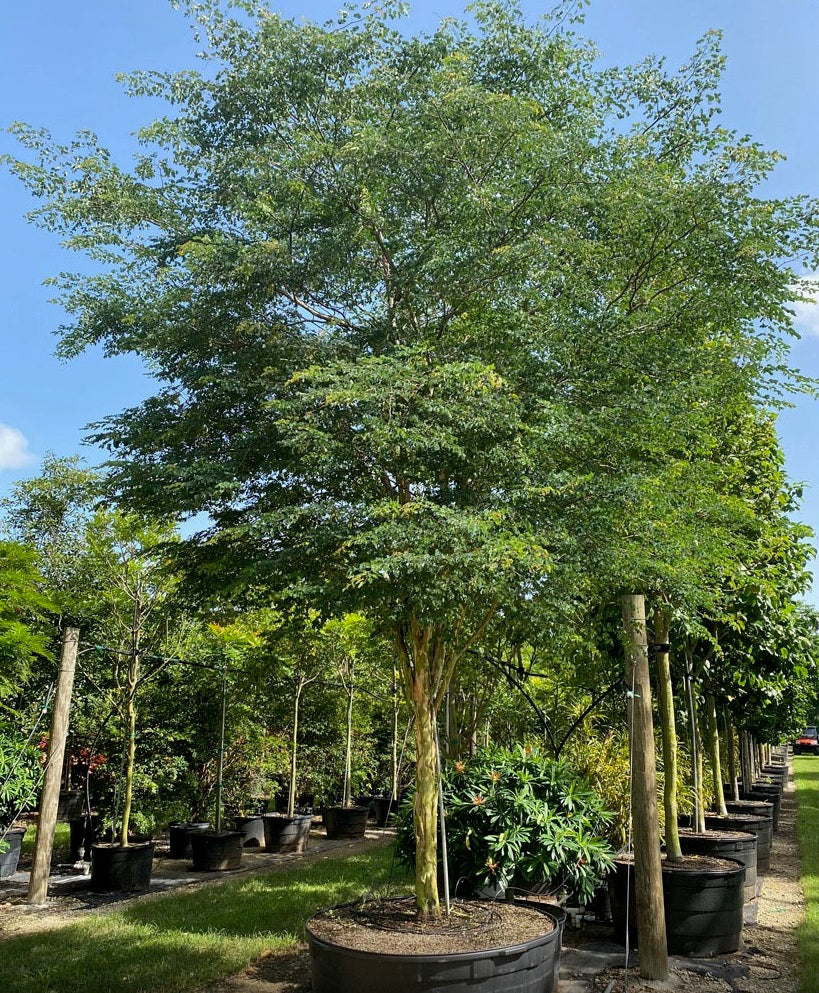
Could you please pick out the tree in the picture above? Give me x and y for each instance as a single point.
(25, 629)
(406, 295)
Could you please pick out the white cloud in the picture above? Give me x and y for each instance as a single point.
(14, 451)
(806, 312)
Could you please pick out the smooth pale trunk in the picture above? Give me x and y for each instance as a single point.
(729, 751)
(648, 883)
(291, 798)
(668, 726)
(130, 710)
(348, 750)
(712, 744)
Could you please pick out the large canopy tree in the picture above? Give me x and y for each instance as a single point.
(405, 296)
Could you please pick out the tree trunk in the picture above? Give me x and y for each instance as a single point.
(130, 713)
(348, 748)
(712, 742)
(394, 757)
(665, 696)
(291, 796)
(696, 752)
(729, 751)
(648, 883)
(426, 801)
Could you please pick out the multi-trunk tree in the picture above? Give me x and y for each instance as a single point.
(422, 310)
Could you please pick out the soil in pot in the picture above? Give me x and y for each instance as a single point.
(216, 852)
(345, 822)
(737, 845)
(703, 899)
(284, 834)
(115, 869)
(11, 856)
(381, 947)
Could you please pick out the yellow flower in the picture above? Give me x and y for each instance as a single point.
(477, 800)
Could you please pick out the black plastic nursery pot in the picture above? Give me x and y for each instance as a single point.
(768, 796)
(252, 830)
(180, 833)
(285, 834)
(213, 851)
(115, 869)
(737, 845)
(345, 822)
(703, 906)
(762, 827)
(11, 856)
(528, 967)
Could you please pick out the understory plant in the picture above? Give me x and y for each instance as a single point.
(515, 817)
(20, 774)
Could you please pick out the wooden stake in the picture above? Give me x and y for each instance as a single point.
(648, 882)
(38, 881)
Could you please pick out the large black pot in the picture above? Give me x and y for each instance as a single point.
(703, 907)
(762, 827)
(115, 869)
(11, 856)
(213, 851)
(737, 845)
(180, 833)
(770, 795)
(286, 834)
(345, 822)
(252, 830)
(528, 967)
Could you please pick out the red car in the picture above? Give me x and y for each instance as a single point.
(808, 741)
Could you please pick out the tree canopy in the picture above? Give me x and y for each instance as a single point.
(428, 313)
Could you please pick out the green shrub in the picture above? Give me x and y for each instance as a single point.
(515, 817)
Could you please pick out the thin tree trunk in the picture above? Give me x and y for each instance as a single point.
(394, 759)
(291, 796)
(696, 751)
(348, 749)
(665, 697)
(729, 748)
(648, 882)
(131, 712)
(713, 751)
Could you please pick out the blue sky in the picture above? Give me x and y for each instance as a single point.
(58, 61)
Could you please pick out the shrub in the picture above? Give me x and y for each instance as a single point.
(515, 817)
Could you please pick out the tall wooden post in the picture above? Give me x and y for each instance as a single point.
(648, 882)
(38, 881)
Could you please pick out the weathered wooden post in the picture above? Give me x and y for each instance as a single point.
(38, 881)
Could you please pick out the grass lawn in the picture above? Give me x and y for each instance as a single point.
(806, 777)
(180, 941)
(62, 838)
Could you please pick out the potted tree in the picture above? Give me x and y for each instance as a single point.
(136, 595)
(345, 640)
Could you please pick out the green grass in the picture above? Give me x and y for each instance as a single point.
(180, 941)
(62, 838)
(806, 777)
